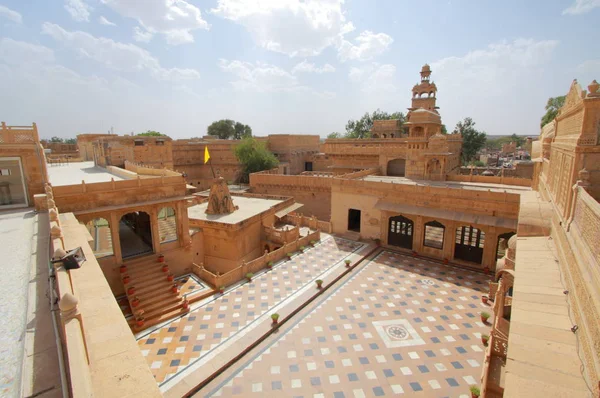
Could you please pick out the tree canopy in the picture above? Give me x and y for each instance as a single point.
(361, 128)
(151, 133)
(56, 139)
(552, 107)
(496, 143)
(473, 140)
(229, 129)
(254, 156)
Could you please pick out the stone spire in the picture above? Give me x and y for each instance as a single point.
(219, 200)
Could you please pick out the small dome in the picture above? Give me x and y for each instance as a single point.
(426, 68)
(512, 242)
(68, 302)
(59, 253)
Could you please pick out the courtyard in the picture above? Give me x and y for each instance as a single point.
(395, 325)
(185, 351)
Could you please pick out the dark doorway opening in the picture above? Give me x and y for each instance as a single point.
(469, 244)
(135, 234)
(396, 167)
(308, 166)
(354, 220)
(400, 232)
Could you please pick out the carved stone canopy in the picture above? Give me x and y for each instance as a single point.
(219, 199)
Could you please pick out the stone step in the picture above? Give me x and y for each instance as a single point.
(156, 318)
(141, 289)
(148, 278)
(157, 292)
(143, 269)
(164, 305)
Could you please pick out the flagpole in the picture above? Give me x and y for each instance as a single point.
(211, 168)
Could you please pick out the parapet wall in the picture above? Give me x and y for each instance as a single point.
(103, 358)
(115, 193)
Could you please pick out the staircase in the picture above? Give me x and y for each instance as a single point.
(150, 293)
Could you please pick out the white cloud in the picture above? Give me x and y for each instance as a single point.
(291, 27)
(581, 7)
(307, 67)
(375, 78)
(78, 10)
(259, 76)
(13, 52)
(11, 15)
(506, 76)
(142, 35)
(369, 46)
(103, 21)
(176, 19)
(116, 55)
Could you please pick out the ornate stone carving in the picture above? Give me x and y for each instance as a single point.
(219, 200)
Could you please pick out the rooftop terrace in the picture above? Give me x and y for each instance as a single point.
(74, 173)
(248, 207)
(474, 186)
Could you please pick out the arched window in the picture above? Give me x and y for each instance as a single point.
(434, 235)
(100, 231)
(167, 225)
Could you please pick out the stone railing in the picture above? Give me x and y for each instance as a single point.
(281, 236)
(361, 173)
(311, 222)
(522, 182)
(18, 134)
(87, 307)
(239, 273)
(149, 170)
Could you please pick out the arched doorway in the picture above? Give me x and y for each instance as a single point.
(396, 167)
(100, 231)
(135, 234)
(502, 244)
(469, 244)
(400, 232)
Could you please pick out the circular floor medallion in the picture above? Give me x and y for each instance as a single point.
(397, 332)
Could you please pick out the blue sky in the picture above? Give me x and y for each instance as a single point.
(286, 66)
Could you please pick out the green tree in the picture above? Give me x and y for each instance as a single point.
(473, 140)
(361, 128)
(552, 107)
(516, 139)
(254, 156)
(71, 141)
(56, 139)
(334, 135)
(241, 131)
(151, 133)
(444, 129)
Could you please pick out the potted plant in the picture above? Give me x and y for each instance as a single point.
(123, 269)
(161, 258)
(484, 339)
(274, 318)
(486, 270)
(347, 263)
(135, 302)
(186, 304)
(414, 253)
(139, 319)
(126, 279)
(131, 290)
(249, 276)
(165, 268)
(319, 283)
(175, 288)
(221, 289)
(170, 277)
(484, 299)
(270, 264)
(313, 243)
(485, 316)
(289, 255)
(475, 392)
(302, 248)
(445, 261)
(377, 241)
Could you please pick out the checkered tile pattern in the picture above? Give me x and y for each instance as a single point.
(400, 325)
(192, 338)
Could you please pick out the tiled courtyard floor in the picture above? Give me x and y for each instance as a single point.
(397, 325)
(186, 349)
